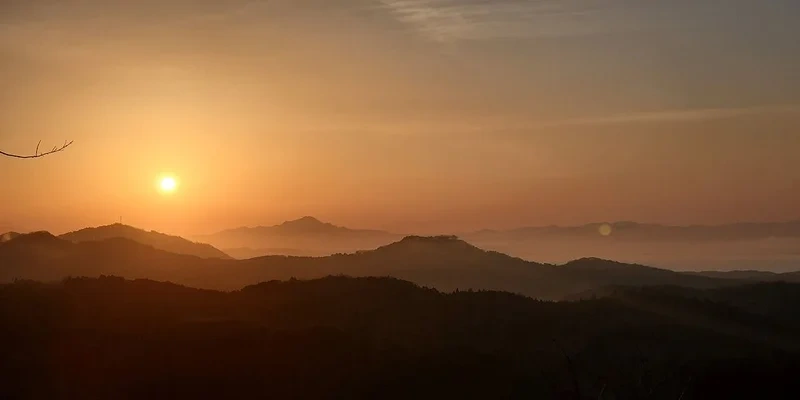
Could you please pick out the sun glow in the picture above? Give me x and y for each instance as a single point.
(168, 184)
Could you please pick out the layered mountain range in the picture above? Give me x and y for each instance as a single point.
(744, 246)
(444, 262)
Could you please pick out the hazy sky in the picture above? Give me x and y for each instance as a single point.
(408, 115)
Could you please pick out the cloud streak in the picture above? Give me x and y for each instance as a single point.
(692, 115)
(454, 20)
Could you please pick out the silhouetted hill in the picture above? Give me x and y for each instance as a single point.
(768, 305)
(309, 226)
(36, 245)
(445, 262)
(341, 337)
(44, 257)
(617, 273)
(8, 236)
(306, 235)
(791, 276)
(753, 276)
(42, 238)
(438, 249)
(173, 244)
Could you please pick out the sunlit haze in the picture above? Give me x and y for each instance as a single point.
(428, 116)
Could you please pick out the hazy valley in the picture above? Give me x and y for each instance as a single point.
(447, 263)
(746, 246)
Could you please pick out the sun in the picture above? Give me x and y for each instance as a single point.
(168, 184)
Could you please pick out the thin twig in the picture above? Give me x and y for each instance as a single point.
(56, 149)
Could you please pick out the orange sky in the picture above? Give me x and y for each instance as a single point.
(450, 116)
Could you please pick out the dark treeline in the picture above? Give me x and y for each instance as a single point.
(344, 337)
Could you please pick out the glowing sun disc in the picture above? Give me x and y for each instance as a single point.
(168, 184)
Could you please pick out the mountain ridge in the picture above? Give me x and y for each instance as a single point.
(307, 235)
(8, 236)
(443, 262)
(736, 246)
(158, 240)
(307, 224)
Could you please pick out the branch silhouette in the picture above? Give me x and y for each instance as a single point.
(56, 149)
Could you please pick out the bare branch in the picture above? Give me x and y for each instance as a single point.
(55, 149)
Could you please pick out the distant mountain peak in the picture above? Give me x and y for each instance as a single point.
(34, 237)
(37, 241)
(309, 225)
(307, 235)
(442, 243)
(305, 221)
(595, 263)
(161, 241)
(8, 236)
(432, 239)
(103, 232)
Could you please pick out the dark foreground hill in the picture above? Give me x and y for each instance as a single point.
(384, 338)
(161, 241)
(444, 262)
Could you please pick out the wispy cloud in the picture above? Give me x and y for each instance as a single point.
(509, 126)
(452, 20)
(691, 115)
